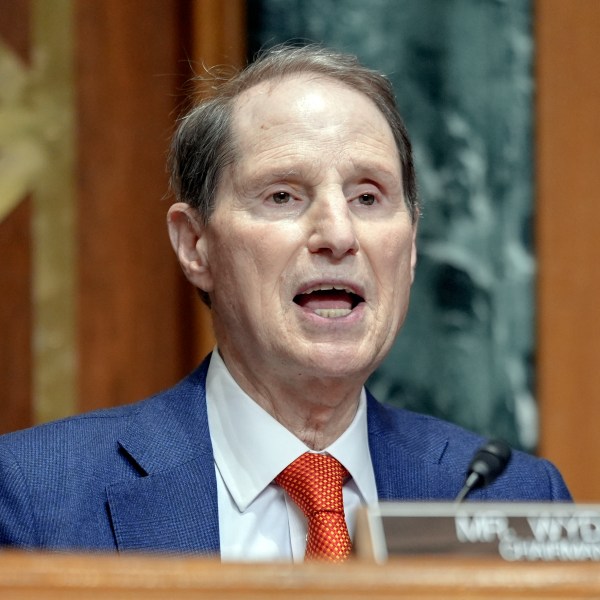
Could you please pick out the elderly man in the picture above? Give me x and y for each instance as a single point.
(296, 219)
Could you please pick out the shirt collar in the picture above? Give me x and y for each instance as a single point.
(251, 447)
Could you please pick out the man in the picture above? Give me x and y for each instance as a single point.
(296, 219)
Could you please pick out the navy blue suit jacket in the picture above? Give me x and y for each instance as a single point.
(142, 477)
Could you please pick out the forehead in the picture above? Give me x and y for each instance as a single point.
(299, 94)
(303, 102)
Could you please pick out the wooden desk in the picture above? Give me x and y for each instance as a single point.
(38, 575)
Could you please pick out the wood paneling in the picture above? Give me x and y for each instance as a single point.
(219, 40)
(568, 221)
(219, 36)
(133, 301)
(14, 17)
(15, 319)
(139, 324)
(15, 250)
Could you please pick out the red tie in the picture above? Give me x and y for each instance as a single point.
(314, 482)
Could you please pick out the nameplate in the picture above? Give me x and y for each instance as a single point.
(512, 531)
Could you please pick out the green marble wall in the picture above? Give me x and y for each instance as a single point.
(462, 70)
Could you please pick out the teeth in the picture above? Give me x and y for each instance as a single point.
(332, 313)
(325, 287)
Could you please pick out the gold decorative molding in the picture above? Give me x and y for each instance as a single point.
(21, 153)
(37, 158)
(54, 214)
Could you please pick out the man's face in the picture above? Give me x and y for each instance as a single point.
(310, 249)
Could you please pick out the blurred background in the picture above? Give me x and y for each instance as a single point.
(501, 100)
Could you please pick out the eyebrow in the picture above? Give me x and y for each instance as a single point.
(372, 171)
(266, 178)
(378, 170)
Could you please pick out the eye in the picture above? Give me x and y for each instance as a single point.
(281, 197)
(366, 199)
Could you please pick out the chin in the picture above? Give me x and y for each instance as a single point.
(338, 363)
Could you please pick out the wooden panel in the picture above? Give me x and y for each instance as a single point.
(15, 319)
(139, 324)
(134, 307)
(218, 40)
(15, 250)
(14, 25)
(83, 577)
(219, 36)
(568, 220)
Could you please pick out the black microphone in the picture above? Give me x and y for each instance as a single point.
(489, 462)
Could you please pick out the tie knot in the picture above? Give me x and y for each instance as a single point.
(314, 482)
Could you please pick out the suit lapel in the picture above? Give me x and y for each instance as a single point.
(172, 505)
(172, 511)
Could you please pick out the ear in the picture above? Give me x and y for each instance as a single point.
(188, 238)
(413, 255)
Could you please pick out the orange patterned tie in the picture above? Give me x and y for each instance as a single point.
(314, 482)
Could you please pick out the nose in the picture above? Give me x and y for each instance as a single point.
(332, 227)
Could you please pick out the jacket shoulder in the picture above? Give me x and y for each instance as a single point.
(95, 429)
(444, 450)
(53, 477)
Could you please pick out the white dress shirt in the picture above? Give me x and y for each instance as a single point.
(257, 520)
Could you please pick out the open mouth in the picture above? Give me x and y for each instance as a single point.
(329, 301)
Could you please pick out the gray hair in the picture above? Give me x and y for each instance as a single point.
(203, 144)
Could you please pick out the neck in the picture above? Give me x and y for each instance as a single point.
(317, 411)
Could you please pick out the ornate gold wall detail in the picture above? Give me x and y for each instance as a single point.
(36, 157)
(21, 157)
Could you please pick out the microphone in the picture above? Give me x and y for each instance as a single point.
(487, 464)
